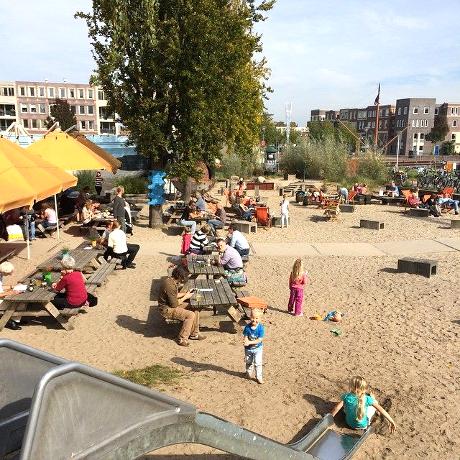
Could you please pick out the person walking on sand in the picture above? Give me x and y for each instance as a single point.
(253, 334)
(297, 280)
(360, 406)
(284, 211)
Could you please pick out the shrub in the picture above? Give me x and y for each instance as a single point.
(86, 179)
(372, 166)
(132, 184)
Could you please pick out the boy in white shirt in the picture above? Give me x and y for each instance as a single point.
(285, 212)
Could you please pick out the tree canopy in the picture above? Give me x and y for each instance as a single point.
(181, 75)
(439, 131)
(322, 130)
(61, 112)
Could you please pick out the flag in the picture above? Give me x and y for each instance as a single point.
(377, 98)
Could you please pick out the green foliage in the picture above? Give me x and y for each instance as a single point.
(327, 159)
(439, 131)
(181, 75)
(151, 376)
(132, 184)
(61, 112)
(86, 179)
(448, 148)
(339, 131)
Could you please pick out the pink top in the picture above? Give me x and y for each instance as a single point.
(298, 283)
(186, 239)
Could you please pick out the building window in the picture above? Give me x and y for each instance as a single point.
(51, 92)
(34, 124)
(415, 136)
(405, 110)
(426, 123)
(415, 111)
(81, 93)
(436, 111)
(454, 124)
(399, 110)
(91, 125)
(416, 123)
(24, 108)
(413, 124)
(90, 94)
(73, 109)
(22, 90)
(101, 95)
(72, 93)
(420, 147)
(90, 110)
(422, 136)
(42, 108)
(373, 124)
(32, 108)
(31, 91)
(25, 123)
(426, 110)
(62, 93)
(41, 91)
(83, 124)
(81, 109)
(453, 136)
(8, 91)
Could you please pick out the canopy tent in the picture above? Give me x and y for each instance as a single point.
(65, 152)
(25, 178)
(99, 151)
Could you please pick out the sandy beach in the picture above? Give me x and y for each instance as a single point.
(400, 331)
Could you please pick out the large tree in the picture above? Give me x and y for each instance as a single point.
(61, 112)
(439, 131)
(181, 75)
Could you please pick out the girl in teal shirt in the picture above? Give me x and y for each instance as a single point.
(359, 406)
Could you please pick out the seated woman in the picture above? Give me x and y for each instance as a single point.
(48, 215)
(73, 284)
(247, 213)
(187, 216)
(220, 218)
(87, 213)
(172, 304)
(413, 200)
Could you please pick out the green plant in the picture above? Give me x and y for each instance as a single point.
(151, 375)
(133, 184)
(85, 179)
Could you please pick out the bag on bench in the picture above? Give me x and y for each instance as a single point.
(236, 277)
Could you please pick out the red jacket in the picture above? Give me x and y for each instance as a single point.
(186, 239)
(75, 289)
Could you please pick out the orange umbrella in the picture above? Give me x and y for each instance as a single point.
(25, 178)
(65, 152)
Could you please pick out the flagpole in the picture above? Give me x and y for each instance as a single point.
(376, 133)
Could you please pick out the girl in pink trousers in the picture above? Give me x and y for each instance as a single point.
(297, 281)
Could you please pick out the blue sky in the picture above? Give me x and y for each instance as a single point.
(322, 54)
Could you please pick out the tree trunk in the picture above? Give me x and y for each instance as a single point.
(155, 216)
(188, 190)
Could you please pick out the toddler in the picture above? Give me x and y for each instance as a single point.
(297, 281)
(253, 334)
(186, 239)
(360, 406)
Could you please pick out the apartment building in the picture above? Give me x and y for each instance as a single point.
(451, 113)
(414, 119)
(386, 123)
(29, 103)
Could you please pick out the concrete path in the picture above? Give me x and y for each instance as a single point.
(388, 248)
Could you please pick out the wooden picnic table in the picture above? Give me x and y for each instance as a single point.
(201, 265)
(34, 303)
(8, 250)
(215, 294)
(84, 255)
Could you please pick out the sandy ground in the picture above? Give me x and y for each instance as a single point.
(400, 331)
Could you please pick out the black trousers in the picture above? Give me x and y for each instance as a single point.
(126, 257)
(60, 302)
(98, 189)
(243, 252)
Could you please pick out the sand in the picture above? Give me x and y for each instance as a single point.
(400, 331)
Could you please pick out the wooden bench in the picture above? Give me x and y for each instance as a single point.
(102, 273)
(245, 226)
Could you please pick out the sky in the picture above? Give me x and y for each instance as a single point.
(322, 54)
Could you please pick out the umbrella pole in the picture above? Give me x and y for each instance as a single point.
(57, 216)
(27, 235)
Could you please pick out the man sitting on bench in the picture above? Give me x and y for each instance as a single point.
(238, 241)
(118, 247)
(229, 257)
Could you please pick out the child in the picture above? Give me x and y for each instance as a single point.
(253, 334)
(186, 239)
(297, 281)
(359, 406)
(284, 211)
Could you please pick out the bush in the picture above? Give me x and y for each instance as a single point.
(86, 179)
(132, 184)
(372, 166)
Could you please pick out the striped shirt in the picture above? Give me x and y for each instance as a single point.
(199, 240)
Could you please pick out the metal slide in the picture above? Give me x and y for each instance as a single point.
(51, 408)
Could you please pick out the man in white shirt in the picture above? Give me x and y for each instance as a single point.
(238, 241)
(117, 247)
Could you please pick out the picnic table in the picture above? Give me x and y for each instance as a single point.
(204, 265)
(215, 294)
(34, 303)
(84, 255)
